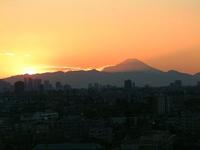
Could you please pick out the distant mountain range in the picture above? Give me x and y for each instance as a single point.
(131, 65)
(133, 69)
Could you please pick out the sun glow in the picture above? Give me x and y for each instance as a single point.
(29, 71)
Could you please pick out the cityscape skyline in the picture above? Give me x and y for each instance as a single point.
(99, 74)
(134, 69)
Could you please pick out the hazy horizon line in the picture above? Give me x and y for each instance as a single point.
(74, 69)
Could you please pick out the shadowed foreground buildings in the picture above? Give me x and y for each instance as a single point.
(76, 146)
(151, 140)
(39, 115)
(19, 87)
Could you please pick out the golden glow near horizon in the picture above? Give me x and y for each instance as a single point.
(29, 71)
(40, 34)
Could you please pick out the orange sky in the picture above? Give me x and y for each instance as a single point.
(42, 35)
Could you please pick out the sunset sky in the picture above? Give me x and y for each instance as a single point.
(50, 35)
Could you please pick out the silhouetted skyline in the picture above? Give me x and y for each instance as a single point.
(134, 69)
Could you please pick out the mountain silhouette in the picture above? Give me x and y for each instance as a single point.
(133, 69)
(131, 65)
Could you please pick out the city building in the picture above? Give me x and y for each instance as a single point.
(59, 86)
(128, 84)
(69, 146)
(198, 83)
(37, 84)
(47, 85)
(19, 87)
(156, 140)
(28, 82)
(176, 84)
